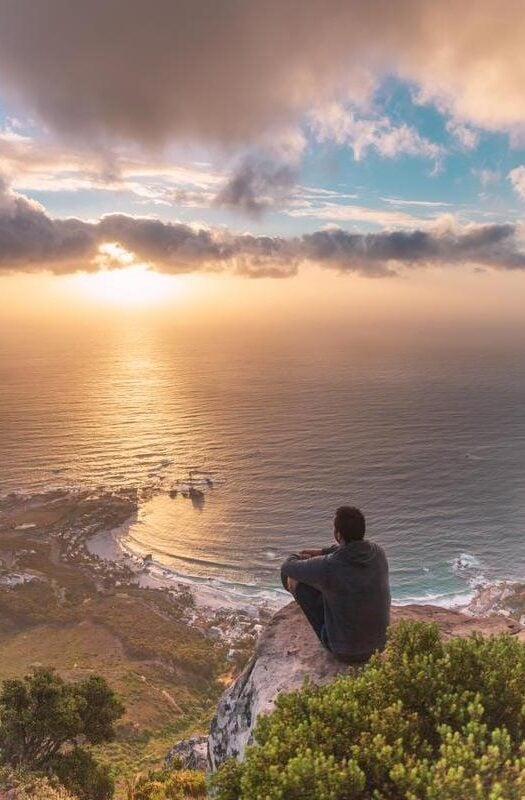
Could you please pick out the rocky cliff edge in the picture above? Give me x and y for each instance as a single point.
(288, 652)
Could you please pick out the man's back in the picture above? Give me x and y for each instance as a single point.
(352, 579)
(356, 596)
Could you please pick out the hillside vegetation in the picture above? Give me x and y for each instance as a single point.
(426, 720)
(76, 619)
(166, 674)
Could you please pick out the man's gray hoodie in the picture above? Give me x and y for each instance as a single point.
(353, 580)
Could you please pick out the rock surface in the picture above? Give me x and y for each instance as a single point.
(191, 753)
(288, 652)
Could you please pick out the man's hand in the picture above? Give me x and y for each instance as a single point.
(310, 553)
(292, 584)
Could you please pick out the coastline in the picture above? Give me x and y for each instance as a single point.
(209, 593)
(99, 542)
(212, 595)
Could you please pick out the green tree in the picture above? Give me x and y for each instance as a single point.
(44, 720)
(83, 775)
(426, 720)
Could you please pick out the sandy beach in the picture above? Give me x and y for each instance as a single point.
(210, 594)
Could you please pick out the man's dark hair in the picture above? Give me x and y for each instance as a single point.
(350, 522)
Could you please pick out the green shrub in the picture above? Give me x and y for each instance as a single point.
(43, 719)
(186, 783)
(42, 714)
(427, 720)
(28, 786)
(83, 775)
(174, 784)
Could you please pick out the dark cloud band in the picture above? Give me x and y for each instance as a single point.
(31, 240)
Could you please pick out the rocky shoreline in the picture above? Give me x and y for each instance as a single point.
(85, 528)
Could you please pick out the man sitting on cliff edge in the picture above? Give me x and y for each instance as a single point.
(344, 589)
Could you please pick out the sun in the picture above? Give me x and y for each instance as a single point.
(120, 281)
(129, 286)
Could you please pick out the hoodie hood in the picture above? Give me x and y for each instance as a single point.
(359, 553)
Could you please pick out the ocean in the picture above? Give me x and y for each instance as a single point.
(425, 435)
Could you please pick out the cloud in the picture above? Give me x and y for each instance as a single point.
(257, 185)
(45, 166)
(127, 70)
(29, 237)
(31, 240)
(517, 178)
(340, 212)
(397, 201)
(487, 176)
(335, 122)
(496, 246)
(466, 137)
(265, 177)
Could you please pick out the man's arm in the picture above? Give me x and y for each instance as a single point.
(323, 551)
(312, 571)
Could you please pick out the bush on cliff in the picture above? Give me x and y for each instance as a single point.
(426, 721)
(43, 722)
(176, 783)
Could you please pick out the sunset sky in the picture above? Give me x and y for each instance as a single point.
(229, 141)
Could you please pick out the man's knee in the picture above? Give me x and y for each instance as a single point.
(305, 594)
(290, 584)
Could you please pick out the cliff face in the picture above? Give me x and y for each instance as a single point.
(288, 652)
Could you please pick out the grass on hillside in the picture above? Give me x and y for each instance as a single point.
(166, 673)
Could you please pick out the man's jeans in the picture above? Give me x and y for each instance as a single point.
(311, 602)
